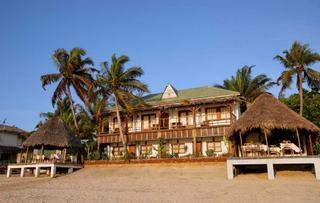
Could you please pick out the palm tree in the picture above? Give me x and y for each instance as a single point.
(297, 61)
(122, 85)
(247, 86)
(73, 71)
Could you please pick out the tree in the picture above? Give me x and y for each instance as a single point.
(248, 86)
(73, 71)
(297, 61)
(123, 85)
(312, 105)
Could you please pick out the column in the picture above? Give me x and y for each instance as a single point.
(37, 171)
(9, 172)
(230, 170)
(270, 171)
(53, 171)
(317, 169)
(70, 170)
(22, 172)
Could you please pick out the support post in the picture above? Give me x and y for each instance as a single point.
(270, 171)
(22, 172)
(41, 155)
(37, 172)
(70, 170)
(310, 143)
(9, 172)
(194, 145)
(317, 169)
(230, 174)
(299, 143)
(64, 155)
(266, 138)
(25, 161)
(53, 171)
(241, 143)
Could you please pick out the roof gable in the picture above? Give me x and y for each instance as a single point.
(169, 92)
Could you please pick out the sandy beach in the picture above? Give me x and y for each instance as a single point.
(205, 182)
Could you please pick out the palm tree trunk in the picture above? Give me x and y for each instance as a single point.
(124, 142)
(300, 91)
(72, 108)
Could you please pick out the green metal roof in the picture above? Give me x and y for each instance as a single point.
(190, 94)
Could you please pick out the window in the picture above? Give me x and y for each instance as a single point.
(178, 148)
(115, 124)
(213, 113)
(186, 118)
(225, 113)
(215, 146)
(148, 121)
(146, 149)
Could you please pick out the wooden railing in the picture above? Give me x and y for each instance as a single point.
(204, 131)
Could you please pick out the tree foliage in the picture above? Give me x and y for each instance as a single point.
(297, 61)
(312, 105)
(248, 86)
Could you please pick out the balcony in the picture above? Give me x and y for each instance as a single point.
(179, 133)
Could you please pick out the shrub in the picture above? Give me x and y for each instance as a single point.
(95, 155)
(169, 156)
(316, 148)
(210, 152)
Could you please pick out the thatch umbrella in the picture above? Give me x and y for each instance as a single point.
(54, 134)
(268, 113)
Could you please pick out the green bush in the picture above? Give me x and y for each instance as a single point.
(169, 156)
(198, 154)
(316, 148)
(94, 155)
(104, 156)
(210, 153)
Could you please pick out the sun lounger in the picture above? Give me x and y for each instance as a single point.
(290, 146)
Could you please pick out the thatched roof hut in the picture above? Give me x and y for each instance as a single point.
(268, 113)
(53, 133)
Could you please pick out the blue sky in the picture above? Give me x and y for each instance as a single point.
(185, 43)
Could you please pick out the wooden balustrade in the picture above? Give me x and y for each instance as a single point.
(180, 133)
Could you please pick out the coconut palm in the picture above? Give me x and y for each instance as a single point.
(297, 61)
(248, 86)
(122, 85)
(73, 71)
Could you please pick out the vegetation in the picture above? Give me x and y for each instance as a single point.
(248, 86)
(123, 85)
(312, 105)
(161, 148)
(210, 152)
(297, 61)
(316, 148)
(73, 71)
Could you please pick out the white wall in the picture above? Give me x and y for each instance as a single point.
(10, 140)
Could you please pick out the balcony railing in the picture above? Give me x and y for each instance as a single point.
(204, 131)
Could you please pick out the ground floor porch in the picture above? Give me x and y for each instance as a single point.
(270, 162)
(49, 168)
(209, 146)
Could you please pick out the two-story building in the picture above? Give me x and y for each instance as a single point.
(11, 139)
(189, 121)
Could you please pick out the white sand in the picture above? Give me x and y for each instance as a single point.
(161, 183)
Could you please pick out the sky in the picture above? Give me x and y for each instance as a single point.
(184, 43)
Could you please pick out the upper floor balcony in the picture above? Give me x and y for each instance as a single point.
(175, 130)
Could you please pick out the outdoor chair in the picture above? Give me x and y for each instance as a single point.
(274, 150)
(288, 146)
